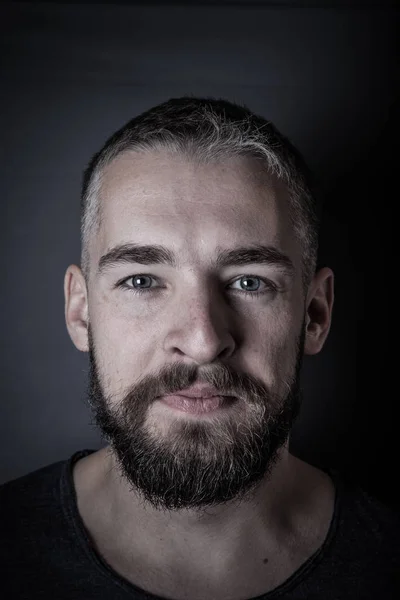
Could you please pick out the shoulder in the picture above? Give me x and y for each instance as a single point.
(363, 508)
(39, 483)
(36, 495)
(28, 502)
(364, 525)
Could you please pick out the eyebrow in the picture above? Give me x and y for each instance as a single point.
(235, 257)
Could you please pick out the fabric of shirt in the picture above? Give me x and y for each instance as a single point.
(46, 551)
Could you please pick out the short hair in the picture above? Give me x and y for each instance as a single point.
(208, 129)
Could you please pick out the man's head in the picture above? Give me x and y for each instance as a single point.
(198, 257)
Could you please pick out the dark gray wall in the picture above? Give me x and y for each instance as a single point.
(72, 74)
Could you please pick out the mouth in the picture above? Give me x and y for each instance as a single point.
(197, 406)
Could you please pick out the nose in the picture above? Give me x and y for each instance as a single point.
(204, 331)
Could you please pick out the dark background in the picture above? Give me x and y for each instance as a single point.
(325, 73)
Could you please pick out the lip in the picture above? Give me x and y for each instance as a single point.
(200, 391)
(197, 406)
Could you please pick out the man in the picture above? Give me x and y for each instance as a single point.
(197, 297)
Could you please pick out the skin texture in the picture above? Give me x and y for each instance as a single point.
(171, 521)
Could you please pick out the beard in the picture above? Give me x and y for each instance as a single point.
(196, 464)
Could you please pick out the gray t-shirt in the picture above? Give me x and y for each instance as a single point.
(46, 552)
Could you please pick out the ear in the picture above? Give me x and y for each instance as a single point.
(319, 306)
(76, 307)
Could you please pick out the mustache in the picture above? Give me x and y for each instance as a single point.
(173, 378)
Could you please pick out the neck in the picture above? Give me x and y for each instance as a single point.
(221, 530)
(179, 553)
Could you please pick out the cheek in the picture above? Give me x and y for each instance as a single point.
(279, 342)
(123, 346)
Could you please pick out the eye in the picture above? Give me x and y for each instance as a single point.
(268, 286)
(131, 283)
(136, 280)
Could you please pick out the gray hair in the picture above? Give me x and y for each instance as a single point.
(208, 129)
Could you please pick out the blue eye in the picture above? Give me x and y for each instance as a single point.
(269, 286)
(135, 279)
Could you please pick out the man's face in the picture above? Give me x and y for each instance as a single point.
(194, 323)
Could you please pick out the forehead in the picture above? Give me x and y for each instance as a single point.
(157, 197)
